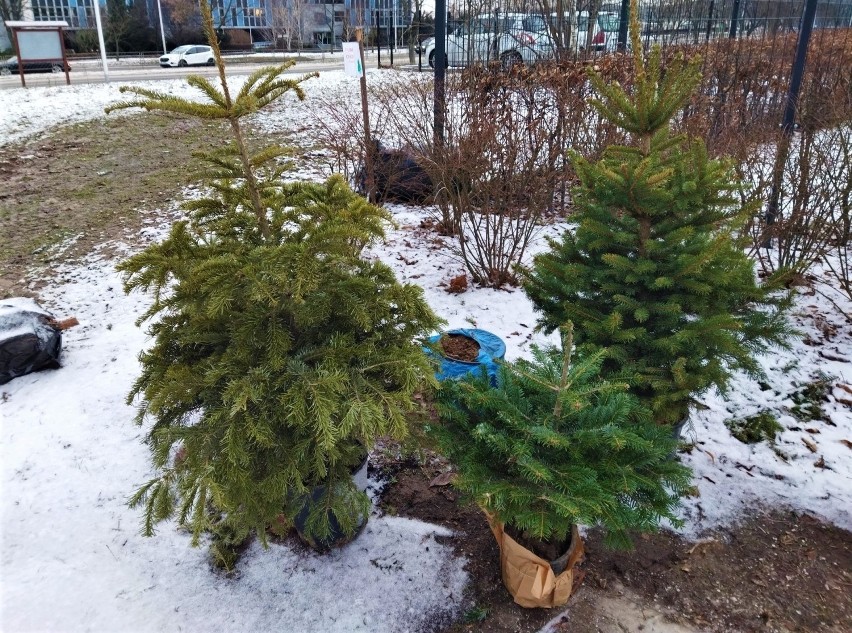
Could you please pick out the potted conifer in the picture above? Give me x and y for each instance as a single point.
(656, 272)
(550, 447)
(279, 351)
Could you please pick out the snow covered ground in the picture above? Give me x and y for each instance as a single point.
(72, 557)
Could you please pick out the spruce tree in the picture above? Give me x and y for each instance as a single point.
(554, 445)
(280, 352)
(655, 272)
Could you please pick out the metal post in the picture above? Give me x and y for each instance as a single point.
(97, 6)
(789, 122)
(419, 45)
(162, 30)
(440, 69)
(379, 39)
(623, 21)
(710, 19)
(735, 16)
(390, 39)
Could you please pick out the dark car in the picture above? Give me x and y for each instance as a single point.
(10, 67)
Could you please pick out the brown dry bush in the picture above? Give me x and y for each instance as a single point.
(503, 165)
(498, 169)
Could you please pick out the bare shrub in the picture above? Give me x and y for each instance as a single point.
(341, 133)
(838, 259)
(498, 168)
(803, 227)
(502, 164)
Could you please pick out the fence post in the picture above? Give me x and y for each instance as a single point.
(440, 70)
(735, 16)
(788, 124)
(419, 43)
(378, 40)
(710, 19)
(623, 20)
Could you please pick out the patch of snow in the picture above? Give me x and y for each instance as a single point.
(71, 455)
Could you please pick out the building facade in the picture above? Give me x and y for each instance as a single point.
(283, 23)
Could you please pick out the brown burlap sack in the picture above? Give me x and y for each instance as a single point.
(529, 578)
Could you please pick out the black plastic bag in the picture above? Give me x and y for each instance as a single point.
(399, 177)
(30, 339)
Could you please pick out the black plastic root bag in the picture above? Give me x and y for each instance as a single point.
(30, 338)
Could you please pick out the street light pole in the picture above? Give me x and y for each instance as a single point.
(97, 6)
(162, 30)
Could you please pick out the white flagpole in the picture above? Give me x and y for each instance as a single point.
(97, 5)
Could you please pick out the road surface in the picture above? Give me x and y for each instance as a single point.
(128, 71)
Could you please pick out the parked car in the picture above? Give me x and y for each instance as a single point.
(10, 67)
(604, 34)
(510, 38)
(422, 46)
(188, 55)
(605, 37)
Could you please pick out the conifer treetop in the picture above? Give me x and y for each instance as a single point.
(260, 89)
(655, 97)
(656, 272)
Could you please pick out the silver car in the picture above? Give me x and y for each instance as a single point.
(508, 38)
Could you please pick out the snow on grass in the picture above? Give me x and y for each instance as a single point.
(71, 456)
(33, 111)
(72, 557)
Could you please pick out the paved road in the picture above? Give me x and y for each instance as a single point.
(86, 72)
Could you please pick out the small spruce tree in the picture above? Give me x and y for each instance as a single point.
(553, 445)
(655, 272)
(280, 352)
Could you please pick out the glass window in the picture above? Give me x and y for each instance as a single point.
(608, 22)
(534, 24)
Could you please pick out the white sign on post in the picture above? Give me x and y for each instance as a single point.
(352, 60)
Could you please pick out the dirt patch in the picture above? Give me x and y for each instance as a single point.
(88, 183)
(776, 572)
(460, 347)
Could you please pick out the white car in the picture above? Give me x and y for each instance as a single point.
(188, 55)
(508, 38)
(604, 35)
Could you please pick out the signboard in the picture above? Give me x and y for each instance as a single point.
(352, 59)
(40, 45)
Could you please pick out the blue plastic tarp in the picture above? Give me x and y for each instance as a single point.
(491, 349)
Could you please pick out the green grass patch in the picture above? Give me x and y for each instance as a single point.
(761, 427)
(809, 399)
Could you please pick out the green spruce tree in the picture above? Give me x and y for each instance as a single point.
(655, 272)
(280, 352)
(553, 445)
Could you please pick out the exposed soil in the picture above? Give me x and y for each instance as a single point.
(776, 572)
(548, 550)
(460, 347)
(85, 184)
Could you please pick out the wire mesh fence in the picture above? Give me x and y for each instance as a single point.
(531, 60)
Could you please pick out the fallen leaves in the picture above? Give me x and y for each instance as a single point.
(812, 447)
(458, 285)
(444, 479)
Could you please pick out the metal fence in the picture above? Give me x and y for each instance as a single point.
(748, 48)
(538, 30)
